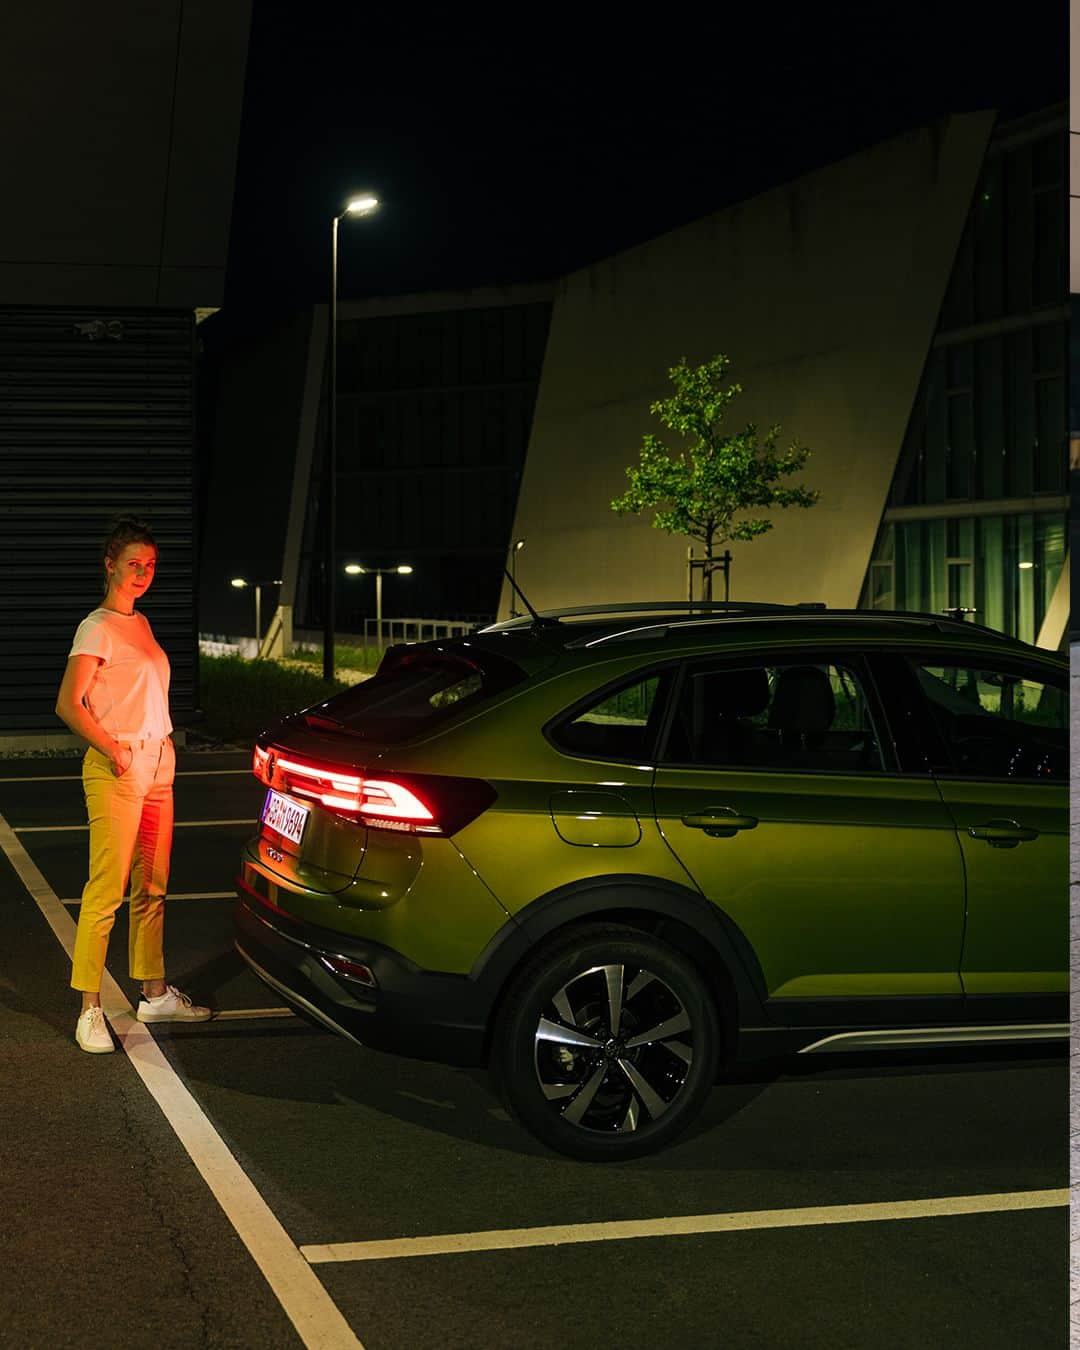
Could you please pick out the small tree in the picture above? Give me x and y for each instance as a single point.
(702, 488)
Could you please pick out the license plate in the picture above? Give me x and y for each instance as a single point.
(285, 816)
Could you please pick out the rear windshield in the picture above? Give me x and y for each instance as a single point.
(414, 692)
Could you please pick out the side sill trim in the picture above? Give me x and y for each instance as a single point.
(295, 998)
(886, 1037)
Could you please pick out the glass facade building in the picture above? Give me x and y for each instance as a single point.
(434, 411)
(976, 518)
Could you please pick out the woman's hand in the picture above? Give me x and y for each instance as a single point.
(121, 759)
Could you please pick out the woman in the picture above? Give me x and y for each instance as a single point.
(115, 694)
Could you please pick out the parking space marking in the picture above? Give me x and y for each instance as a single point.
(557, 1235)
(244, 1014)
(177, 825)
(77, 777)
(173, 895)
(316, 1317)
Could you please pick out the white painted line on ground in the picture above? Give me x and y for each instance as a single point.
(242, 1014)
(177, 824)
(77, 777)
(306, 1303)
(174, 895)
(557, 1235)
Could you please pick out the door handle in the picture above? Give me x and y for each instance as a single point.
(721, 822)
(1003, 833)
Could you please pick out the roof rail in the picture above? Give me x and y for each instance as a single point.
(717, 607)
(914, 618)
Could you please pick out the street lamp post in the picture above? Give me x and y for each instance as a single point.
(517, 545)
(358, 206)
(240, 583)
(354, 570)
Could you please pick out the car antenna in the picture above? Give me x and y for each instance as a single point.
(542, 623)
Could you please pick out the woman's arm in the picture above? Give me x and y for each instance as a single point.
(71, 710)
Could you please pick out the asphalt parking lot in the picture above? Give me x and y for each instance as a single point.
(255, 1181)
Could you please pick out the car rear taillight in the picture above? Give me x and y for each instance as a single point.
(412, 803)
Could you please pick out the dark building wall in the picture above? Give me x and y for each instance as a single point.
(118, 167)
(123, 125)
(434, 415)
(435, 402)
(248, 458)
(93, 420)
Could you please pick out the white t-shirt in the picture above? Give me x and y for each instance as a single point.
(129, 694)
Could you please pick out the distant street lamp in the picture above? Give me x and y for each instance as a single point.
(357, 206)
(355, 570)
(240, 583)
(515, 548)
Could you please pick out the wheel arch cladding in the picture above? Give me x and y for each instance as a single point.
(678, 916)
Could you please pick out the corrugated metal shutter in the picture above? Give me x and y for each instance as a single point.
(96, 416)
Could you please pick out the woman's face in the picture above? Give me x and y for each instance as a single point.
(132, 572)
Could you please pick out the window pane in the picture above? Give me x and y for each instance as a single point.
(961, 446)
(997, 724)
(805, 718)
(882, 585)
(1050, 447)
(615, 727)
(1048, 271)
(413, 692)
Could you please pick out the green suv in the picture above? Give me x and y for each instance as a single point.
(611, 852)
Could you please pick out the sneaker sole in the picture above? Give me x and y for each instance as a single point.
(96, 1049)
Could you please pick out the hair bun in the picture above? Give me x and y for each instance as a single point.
(128, 520)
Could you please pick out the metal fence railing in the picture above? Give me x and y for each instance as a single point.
(396, 630)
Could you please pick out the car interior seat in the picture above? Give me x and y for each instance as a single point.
(802, 712)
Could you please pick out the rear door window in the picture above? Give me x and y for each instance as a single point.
(810, 715)
(416, 692)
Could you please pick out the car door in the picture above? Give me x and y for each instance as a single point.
(1001, 763)
(779, 790)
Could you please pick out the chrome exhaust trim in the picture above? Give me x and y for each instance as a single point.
(295, 998)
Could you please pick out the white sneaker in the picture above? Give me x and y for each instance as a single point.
(171, 1006)
(92, 1034)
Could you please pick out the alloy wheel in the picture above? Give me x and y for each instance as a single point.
(613, 1048)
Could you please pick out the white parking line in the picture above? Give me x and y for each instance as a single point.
(557, 1235)
(173, 895)
(77, 777)
(177, 824)
(246, 1014)
(317, 1319)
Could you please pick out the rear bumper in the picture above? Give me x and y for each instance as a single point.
(409, 1011)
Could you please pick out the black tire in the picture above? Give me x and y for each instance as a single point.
(585, 1088)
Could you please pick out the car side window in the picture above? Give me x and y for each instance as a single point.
(619, 725)
(997, 723)
(797, 716)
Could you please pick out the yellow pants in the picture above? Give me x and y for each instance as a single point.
(131, 825)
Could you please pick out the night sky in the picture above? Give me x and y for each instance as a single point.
(515, 154)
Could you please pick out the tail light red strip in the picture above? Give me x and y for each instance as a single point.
(341, 791)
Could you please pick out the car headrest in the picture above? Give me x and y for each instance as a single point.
(737, 693)
(803, 701)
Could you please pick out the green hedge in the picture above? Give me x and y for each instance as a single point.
(240, 698)
(345, 658)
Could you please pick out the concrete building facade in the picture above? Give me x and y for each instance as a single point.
(828, 294)
(901, 312)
